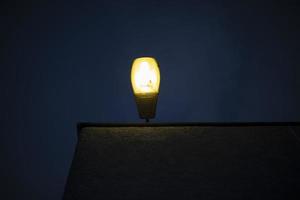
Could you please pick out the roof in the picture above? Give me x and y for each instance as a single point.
(186, 161)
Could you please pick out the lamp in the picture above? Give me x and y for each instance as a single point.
(145, 80)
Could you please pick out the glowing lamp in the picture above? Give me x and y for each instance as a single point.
(145, 80)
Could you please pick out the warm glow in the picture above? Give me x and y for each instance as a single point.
(145, 76)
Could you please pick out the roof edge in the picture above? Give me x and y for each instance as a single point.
(81, 125)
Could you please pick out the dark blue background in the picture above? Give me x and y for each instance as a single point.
(65, 62)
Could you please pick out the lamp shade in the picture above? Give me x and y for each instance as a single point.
(145, 81)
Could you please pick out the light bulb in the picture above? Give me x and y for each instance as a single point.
(145, 76)
(145, 80)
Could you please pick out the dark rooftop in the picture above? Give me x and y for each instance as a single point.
(186, 161)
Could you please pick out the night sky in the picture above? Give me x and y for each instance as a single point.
(67, 62)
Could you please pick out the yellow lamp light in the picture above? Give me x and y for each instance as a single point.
(145, 80)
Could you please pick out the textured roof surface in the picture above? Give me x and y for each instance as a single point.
(185, 162)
